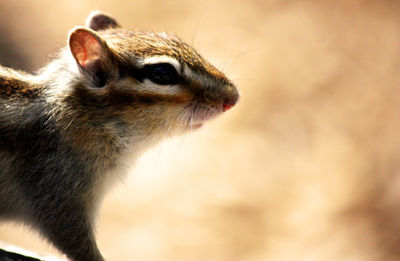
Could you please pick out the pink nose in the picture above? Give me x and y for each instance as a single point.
(231, 97)
(227, 106)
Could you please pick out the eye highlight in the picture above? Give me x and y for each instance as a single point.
(161, 73)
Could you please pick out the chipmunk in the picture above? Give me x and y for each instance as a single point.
(64, 130)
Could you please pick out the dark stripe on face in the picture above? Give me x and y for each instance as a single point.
(118, 98)
(162, 73)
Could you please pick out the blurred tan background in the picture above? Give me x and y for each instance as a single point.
(306, 167)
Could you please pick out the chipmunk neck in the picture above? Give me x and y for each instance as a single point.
(47, 99)
(87, 124)
(55, 95)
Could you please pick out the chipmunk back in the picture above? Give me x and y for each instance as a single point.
(64, 130)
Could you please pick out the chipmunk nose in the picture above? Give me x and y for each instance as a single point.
(232, 97)
(227, 106)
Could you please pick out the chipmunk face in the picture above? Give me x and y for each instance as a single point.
(155, 81)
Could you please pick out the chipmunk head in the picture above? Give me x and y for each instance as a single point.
(152, 81)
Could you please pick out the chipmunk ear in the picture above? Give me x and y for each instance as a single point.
(91, 54)
(99, 21)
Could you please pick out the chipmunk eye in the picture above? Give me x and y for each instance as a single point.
(162, 73)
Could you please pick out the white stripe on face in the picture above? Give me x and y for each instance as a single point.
(161, 59)
(149, 87)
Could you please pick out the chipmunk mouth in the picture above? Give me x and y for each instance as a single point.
(198, 113)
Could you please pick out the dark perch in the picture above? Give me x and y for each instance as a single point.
(10, 256)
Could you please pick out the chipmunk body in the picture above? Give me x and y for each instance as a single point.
(63, 131)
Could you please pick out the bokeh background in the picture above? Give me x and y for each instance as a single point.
(305, 167)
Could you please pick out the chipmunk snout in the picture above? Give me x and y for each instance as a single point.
(231, 97)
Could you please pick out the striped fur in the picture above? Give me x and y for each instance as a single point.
(64, 131)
